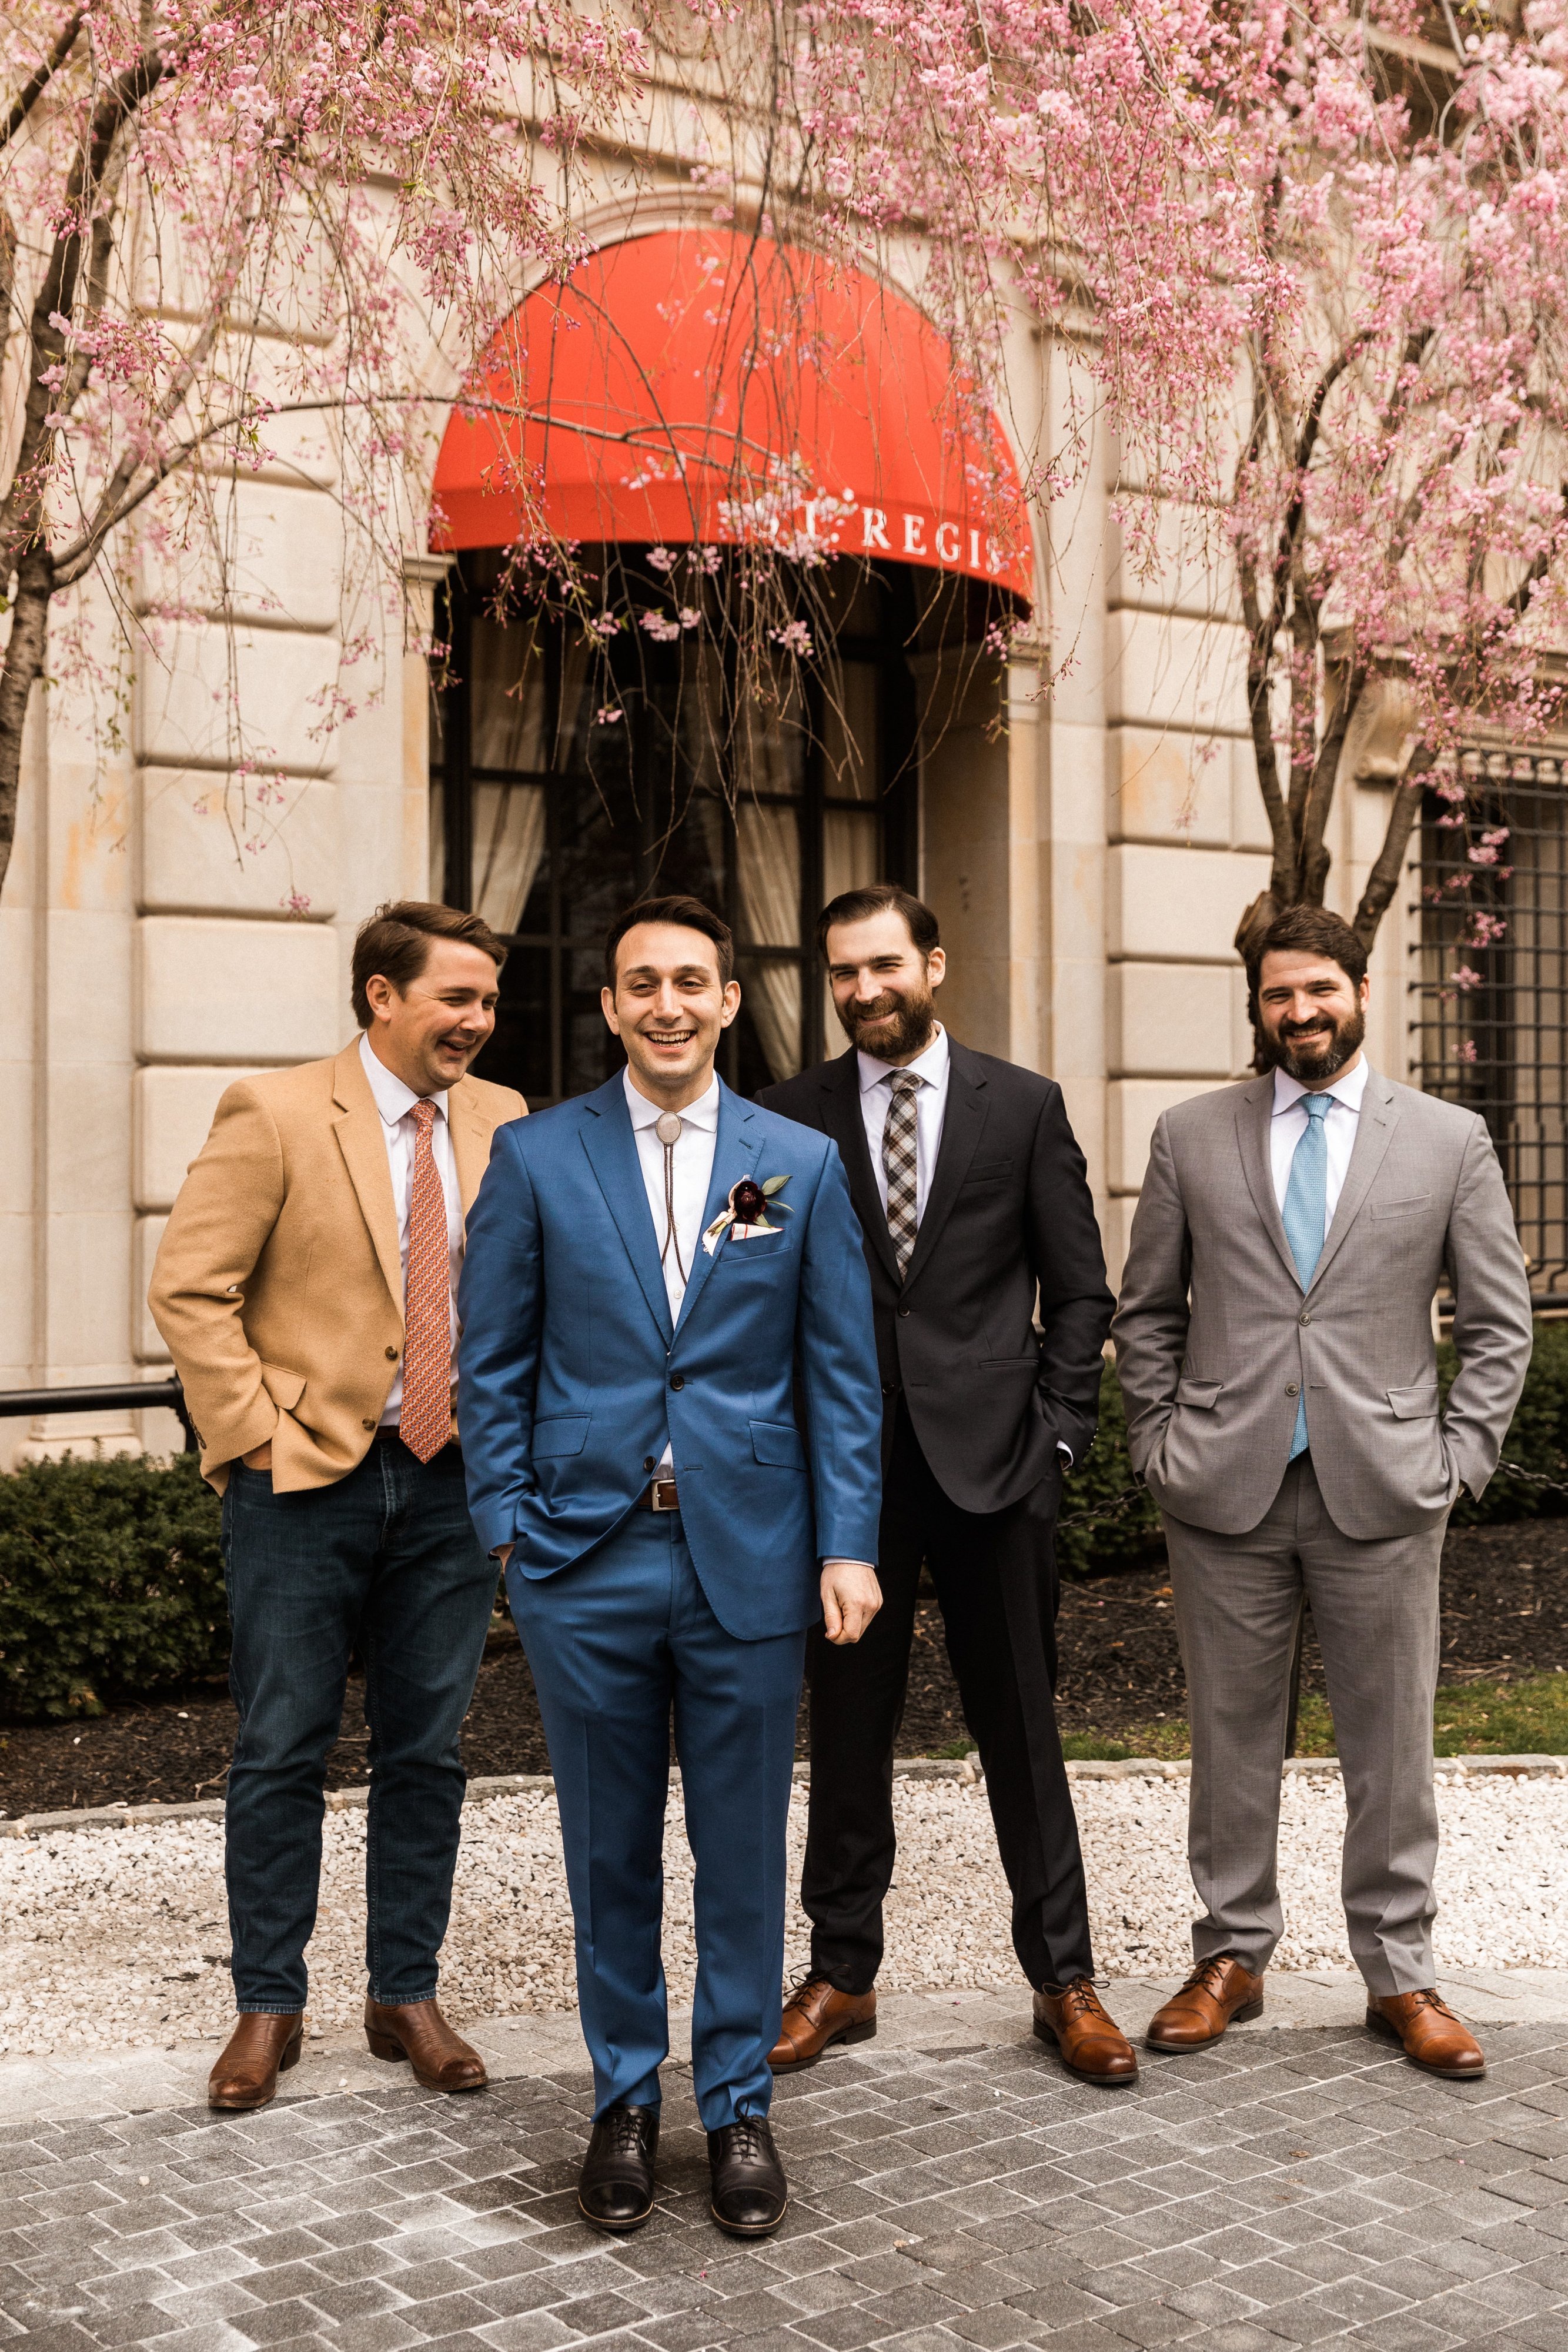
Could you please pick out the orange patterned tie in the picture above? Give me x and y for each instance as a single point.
(426, 1421)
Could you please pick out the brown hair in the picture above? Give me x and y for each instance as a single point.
(395, 942)
(881, 899)
(690, 914)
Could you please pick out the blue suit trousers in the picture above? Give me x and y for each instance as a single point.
(614, 1641)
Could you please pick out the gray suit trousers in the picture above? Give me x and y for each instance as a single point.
(1374, 1607)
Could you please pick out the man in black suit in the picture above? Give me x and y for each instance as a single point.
(973, 1203)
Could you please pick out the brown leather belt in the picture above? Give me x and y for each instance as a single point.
(659, 1496)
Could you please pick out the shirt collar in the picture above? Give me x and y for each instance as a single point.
(393, 1100)
(931, 1066)
(702, 1113)
(1348, 1090)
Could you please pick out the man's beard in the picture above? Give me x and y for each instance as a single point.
(908, 1022)
(1310, 1068)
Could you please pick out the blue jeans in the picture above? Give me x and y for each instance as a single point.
(614, 1641)
(386, 1559)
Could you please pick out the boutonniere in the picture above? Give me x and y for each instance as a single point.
(747, 1211)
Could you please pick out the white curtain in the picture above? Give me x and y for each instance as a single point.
(508, 844)
(768, 879)
(508, 731)
(850, 839)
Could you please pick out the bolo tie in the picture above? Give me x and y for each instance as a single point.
(667, 1128)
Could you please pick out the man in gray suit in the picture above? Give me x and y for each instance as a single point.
(1274, 1346)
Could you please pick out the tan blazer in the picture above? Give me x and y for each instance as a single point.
(279, 1283)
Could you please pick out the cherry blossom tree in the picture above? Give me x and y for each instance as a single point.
(221, 217)
(1397, 506)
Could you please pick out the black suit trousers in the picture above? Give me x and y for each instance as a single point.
(996, 1580)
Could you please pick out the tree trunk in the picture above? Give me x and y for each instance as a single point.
(24, 665)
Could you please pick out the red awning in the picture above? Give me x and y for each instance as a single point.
(695, 386)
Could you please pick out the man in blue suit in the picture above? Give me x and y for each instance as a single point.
(647, 1268)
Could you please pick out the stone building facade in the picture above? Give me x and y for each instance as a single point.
(1084, 817)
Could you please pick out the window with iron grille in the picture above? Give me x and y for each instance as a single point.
(552, 811)
(1491, 1003)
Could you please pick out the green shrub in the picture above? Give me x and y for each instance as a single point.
(1537, 1438)
(1129, 1537)
(111, 1584)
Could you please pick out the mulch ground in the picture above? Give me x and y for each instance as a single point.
(1505, 1616)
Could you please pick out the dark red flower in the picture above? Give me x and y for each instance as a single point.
(749, 1201)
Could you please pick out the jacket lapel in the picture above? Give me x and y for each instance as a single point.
(843, 1120)
(612, 1150)
(472, 1136)
(361, 1139)
(1254, 1117)
(963, 1124)
(1373, 1134)
(733, 1156)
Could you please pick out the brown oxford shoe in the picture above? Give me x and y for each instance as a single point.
(416, 2030)
(1217, 1992)
(818, 2015)
(261, 2047)
(1432, 2036)
(1090, 2043)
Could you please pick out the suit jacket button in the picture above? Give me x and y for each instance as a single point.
(367, 1424)
(647, 1462)
(1304, 1318)
(1291, 1389)
(677, 1380)
(391, 1355)
(906, 1310)
(887, 1387)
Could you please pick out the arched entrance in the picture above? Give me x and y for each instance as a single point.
(663, 409)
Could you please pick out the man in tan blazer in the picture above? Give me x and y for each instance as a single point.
(306, 1288)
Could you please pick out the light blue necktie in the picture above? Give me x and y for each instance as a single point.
(1306, 1216)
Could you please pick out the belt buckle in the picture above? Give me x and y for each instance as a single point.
(662, 1494)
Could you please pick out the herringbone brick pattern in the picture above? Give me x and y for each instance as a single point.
(1287, 2188)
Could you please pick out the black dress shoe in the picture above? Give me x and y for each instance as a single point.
(750, 2193)
(616, 2190)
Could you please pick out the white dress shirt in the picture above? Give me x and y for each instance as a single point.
(395, 1103)
(1341, 1121)
(691, 1174)
(876, 1077)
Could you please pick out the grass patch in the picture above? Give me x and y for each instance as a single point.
(1527, 1718)
(1523, 1718)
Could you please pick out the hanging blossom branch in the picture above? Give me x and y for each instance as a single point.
(1396, 512)
(211, 211)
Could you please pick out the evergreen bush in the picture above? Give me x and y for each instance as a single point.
(111, 1584)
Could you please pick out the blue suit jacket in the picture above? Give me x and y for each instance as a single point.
(571, 1377)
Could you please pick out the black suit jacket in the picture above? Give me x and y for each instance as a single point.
(1008, 1219)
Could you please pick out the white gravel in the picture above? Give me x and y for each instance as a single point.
(117, 1937)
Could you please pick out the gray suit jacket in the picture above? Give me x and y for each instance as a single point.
(1214, 1335)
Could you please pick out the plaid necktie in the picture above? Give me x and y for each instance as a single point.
(899, 1163)
(425, 1423)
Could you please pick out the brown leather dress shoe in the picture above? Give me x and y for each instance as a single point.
(1090, 2043)
(1217, 1993)
(1431, 2035)
(416, 2030)
(818, 2015)
(261, 2047)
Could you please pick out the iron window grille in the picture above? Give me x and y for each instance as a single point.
(1491, 1004)
(626, 809)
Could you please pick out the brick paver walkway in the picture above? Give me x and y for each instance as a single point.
(1286, 2189)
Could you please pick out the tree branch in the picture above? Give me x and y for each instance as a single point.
(1383, 879)
(1314, 859)
(31, 92)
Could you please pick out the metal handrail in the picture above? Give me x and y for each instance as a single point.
(115, 1396)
